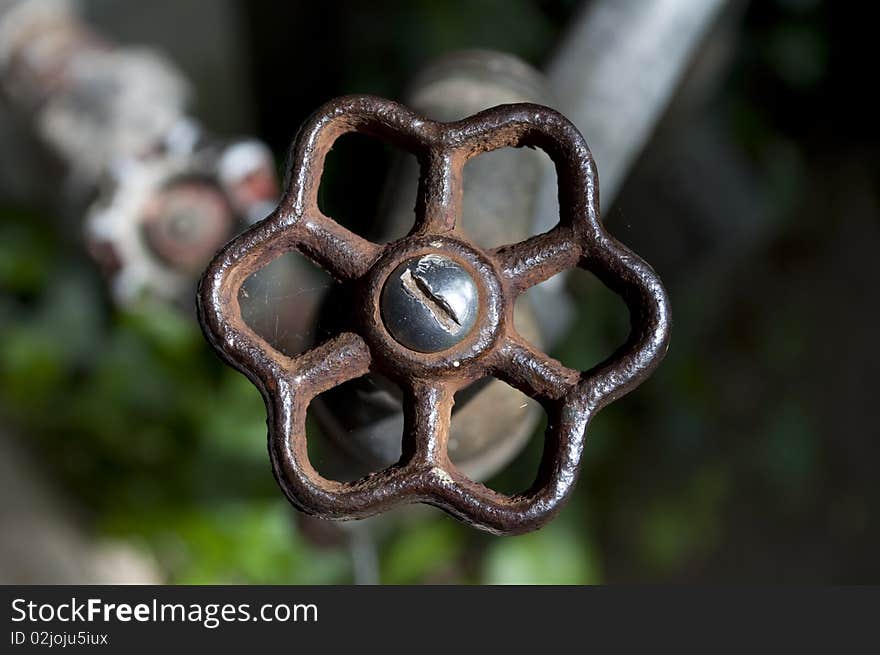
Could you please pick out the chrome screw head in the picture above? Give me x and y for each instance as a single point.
(429, 303)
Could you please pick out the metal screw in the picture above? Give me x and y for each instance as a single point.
(429, 303)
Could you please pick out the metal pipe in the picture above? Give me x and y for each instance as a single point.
(616, 71)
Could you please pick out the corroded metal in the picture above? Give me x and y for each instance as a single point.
(430, 380)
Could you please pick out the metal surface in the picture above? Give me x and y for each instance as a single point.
(424, 472)
(429, 303)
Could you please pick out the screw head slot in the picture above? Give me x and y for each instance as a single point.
(429, 303)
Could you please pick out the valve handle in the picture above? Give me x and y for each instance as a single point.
(484, 282)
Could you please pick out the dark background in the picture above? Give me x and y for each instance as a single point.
(751, 455)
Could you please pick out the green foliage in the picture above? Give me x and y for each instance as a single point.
(232, 542)
(557, 554)
(425, 551)
(683, 528)
(164, 445)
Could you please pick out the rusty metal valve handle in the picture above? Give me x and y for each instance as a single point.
(431, 372)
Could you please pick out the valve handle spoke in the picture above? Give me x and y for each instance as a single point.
(538, 258)
(534, 373)
(336, 249)
(427, 414)
(440, 192)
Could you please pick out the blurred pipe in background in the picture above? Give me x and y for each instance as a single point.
(614, 75)
(623, 68)
(616, 71)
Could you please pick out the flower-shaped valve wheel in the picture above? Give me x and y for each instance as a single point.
(435, 274)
